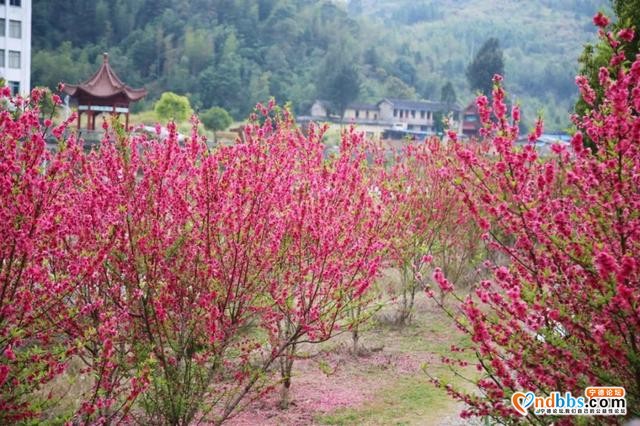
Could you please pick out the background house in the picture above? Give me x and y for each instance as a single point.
(321, 108)
(362, 112)
(422, 118)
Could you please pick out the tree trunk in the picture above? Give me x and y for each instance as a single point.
(355, 337)
(286, 366)
(285, 398)
(408, 296)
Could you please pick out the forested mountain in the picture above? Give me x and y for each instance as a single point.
(234, 53)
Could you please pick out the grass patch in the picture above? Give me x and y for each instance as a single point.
(411, 400)
(144, 117)
(432, 333)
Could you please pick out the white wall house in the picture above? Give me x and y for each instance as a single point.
(396, 114)
(15, 44)
(418, 115)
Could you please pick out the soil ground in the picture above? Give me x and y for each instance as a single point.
(388, 384)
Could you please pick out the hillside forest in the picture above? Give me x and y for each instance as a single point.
(235, 53)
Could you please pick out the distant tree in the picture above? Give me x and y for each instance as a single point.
(198, 47)
(487, 62)
(438, 122)
(216, 119)
(596, 56)
(396, 88)
(448, 97)
(372, 57)
(448, 94)
(341, 87)
(50, 67)
(405, 71)
(259, 89)
(173, 107)
(415, 12)
(222, 84)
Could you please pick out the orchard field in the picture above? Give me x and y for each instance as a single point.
(263, 282)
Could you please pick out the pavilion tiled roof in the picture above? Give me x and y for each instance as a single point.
(105, 84)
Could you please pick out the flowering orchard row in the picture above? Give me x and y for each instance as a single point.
(184, 280)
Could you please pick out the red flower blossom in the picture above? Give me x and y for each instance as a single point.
(600, 20)
(626, 34)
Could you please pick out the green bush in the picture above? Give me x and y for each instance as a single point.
(173, 107)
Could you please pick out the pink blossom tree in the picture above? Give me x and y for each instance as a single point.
(428, 222)
(35, 214)
(205, 269)
(331, 249)
(186, 239)
(564, 312)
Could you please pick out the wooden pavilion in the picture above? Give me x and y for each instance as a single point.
(103, 92)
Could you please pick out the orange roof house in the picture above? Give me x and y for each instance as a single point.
(103, 92)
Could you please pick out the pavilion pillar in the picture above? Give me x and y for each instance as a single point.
(126, 121)
(89, 117)
(79, 120)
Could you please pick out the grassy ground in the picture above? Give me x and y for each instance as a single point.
(408, 397)
(407, 401)
(149, 118)
(386, 385)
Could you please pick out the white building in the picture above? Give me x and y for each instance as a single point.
(15, 44)
(419, 118)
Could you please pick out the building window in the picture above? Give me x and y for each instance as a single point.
(2, 25)
(401, 111)
(14, 59)
(395, 112)
(2, 64)
(15, 87)
(357, 113)
(413, 113)
(15, 29)
(421, 114)
(15, 2)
